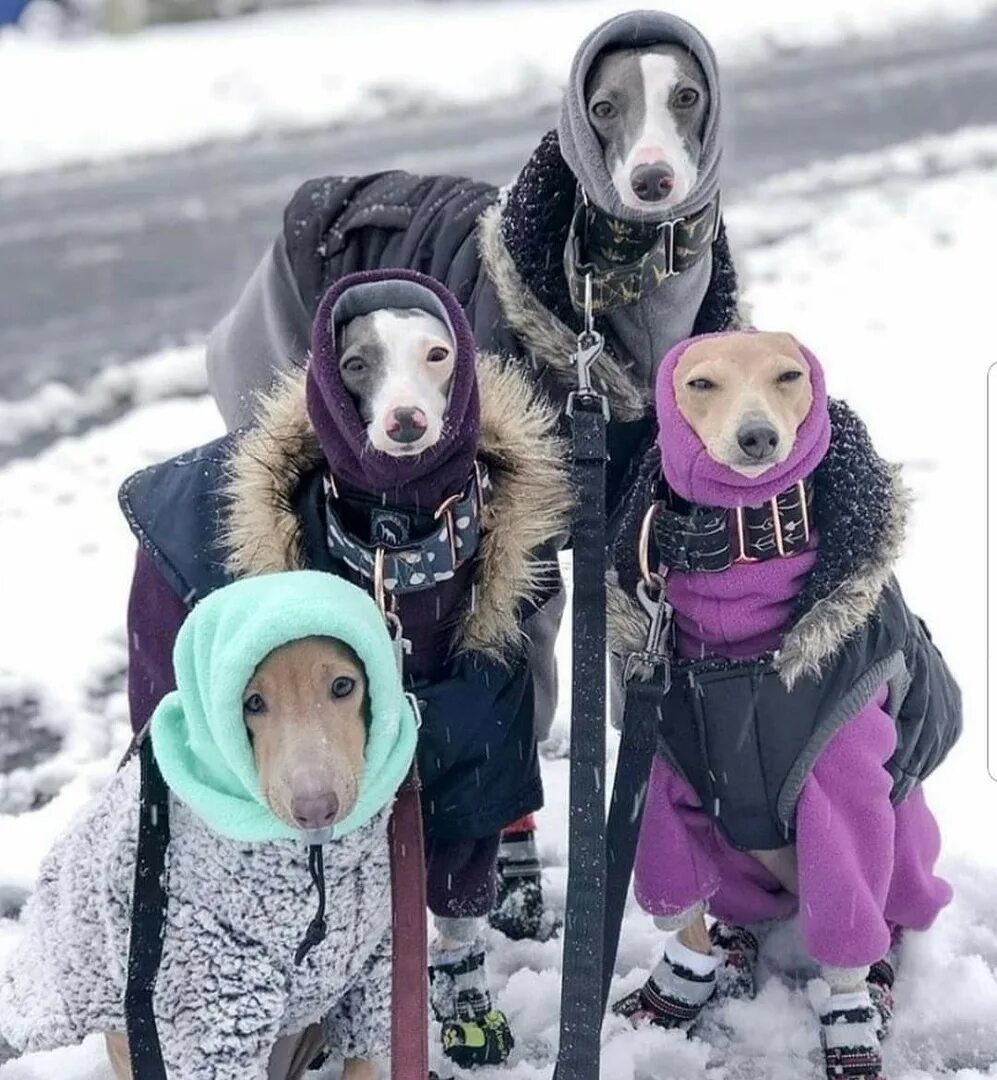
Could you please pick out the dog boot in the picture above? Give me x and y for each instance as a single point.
(519, 909)
(849, 1037)
(472, 1032)
(677, 990)
(738, 949)
(880, 982)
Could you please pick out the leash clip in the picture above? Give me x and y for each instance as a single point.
(400, 644)
(589, 347)
(414, 705)
(655, 653)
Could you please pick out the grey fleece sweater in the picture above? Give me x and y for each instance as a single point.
(227, 986)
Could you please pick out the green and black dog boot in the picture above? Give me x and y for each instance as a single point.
(472, 1032)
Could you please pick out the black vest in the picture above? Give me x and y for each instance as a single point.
(746, 744)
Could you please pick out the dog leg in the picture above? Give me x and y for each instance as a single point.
(697, 937)
(782, 865)
(292, 1054)
(357, 1069)
(117, 1053)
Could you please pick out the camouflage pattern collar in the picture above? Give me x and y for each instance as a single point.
(628, 260)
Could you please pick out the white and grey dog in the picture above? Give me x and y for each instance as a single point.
(647, 106)
(397, 364)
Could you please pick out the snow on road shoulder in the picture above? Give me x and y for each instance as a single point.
(60, 409)
(99, 98)
(887, 279)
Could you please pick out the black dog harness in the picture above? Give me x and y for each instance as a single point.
(624, 261)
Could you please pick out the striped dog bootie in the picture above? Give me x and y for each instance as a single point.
(472, 1032)
(849, 1036)
(674, 995)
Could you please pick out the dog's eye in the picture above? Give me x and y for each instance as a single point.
(437, 354)
(255, 704)
(702, 384)
(603, 110)
(789, 376)
(353, 364)
(343, 686)
(686, 97)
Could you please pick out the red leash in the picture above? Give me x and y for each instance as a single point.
(409, 993)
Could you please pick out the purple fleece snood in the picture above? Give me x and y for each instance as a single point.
(743, 611)
(422, 481)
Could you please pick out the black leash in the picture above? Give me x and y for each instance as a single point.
(581, 1007)
(145, 944)
(647, 677)
(626, 811)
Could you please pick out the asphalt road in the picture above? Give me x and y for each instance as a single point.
(102, 265)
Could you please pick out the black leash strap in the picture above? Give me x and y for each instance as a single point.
(145, 946)
(641, 716)
(581, 1006)
(647, 676)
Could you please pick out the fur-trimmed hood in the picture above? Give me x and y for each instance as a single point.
(526, 516)
(860, 510)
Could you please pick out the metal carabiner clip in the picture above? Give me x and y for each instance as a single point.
(400, 644)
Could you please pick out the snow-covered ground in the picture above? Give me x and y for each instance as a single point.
(97, 98)
(882, 265)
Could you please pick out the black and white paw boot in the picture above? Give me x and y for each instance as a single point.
(881, 977)
(519, 908)
(849, 1035)
(473, 1033)
(674, 995)
(738, 950)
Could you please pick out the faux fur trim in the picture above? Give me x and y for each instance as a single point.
(541, 331)
(821, 630)
(529, 508)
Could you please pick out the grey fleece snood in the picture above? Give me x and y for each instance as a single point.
(648, 329)
(579, 143)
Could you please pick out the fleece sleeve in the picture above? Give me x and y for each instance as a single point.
(155, 615)
(267, 331)
(360, 1024)
(845, 830)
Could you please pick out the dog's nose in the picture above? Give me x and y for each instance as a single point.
(758, 441)
(406, 425)
(653, 182)
(315, 811)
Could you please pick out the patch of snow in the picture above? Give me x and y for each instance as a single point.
(92, 99)
(888, 281)
(60, 409)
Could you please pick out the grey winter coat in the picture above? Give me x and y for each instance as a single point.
(227, 986)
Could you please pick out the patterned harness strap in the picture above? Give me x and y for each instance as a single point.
(417, 565)
(711, 539)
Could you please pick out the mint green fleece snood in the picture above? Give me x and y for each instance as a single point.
(199, 736)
